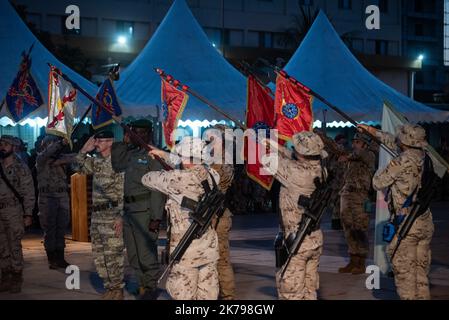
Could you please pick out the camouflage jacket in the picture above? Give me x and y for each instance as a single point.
(107, 185)
(177, 184)
(297, 179)
(19, 175)
(402, 175)
(359, 172)
(51, 178)
(226, 172)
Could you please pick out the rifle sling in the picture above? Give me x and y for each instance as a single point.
(11, 187)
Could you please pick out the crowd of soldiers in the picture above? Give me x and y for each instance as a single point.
(131, 191)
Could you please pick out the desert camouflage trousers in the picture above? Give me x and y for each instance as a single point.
(107, 249)
(301, 279)
(193, 283)
(225, 271)
(11, 233)
(411, 264)
(355, 222)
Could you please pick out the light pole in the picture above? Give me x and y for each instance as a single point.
(413, 76)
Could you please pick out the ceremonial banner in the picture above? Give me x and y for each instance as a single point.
(23, 97)
(173, 103)
(293, 108)
(259, 116)
(107, 95)
(61, 105)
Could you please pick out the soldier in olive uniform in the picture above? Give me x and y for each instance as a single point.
(54, 205)
(195, 276)
(14, 214)
(401, 177)
(296, 171)
(143, 209)
(106, 219)
(360, 166)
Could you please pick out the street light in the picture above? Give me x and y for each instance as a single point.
(412, 89)
(421, 57)
(121, 40)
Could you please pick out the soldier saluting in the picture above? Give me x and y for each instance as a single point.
(106, 220)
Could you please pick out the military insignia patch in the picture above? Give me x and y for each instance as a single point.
(290, 111)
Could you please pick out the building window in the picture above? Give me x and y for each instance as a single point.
(446, 32)
(305, 2)
(125, 28)
(64, 29)
(382, 47)
(419, 5)
(345, 4)
(265, 39)
(419, 29)
(383, 6)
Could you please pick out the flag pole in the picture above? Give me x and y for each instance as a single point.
(330, 105)
(248, 70)
(132, 135)
(185, 88)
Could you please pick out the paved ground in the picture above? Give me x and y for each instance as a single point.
(253, 259)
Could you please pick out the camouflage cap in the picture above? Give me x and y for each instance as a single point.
(11, 140)
(105, 134)
(190, 147)
(362, 137)
(412, 135)
(308, 143)
(142, 123)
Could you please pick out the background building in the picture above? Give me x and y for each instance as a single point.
(116, 30)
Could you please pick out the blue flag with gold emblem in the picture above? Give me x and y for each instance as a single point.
(23, 97)
(108, 97)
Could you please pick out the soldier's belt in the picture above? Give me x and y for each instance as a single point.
(105, 206)
(139, 197)
(52, 190)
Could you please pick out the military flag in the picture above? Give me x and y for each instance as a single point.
(293, 108)
(107, 95)
(259, 116)
(61, 105)
(173, 103)
(23, 97)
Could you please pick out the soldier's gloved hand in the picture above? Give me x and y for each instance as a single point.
(154, 225)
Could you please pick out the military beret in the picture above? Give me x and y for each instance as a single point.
(10, 139)
(105, 134)
(142, 123)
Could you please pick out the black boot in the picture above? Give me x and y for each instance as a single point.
(51, 256)
(16, 282)
(5, 282)
(60, 261)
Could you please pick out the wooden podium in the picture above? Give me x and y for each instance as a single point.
(81, 203)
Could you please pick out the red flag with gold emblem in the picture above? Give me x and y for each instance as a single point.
(173, 104)
(293, 108)
(259, 116)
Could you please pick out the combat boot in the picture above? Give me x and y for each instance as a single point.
(59, 258)
(359, 268)
(117, 294)
(348, 268)
(16, 282)
(5, 282)
(51, 256)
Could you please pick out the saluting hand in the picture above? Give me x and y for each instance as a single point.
(88, 146)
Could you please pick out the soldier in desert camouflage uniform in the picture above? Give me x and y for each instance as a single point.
(195, 277)
(360, 166)
(106, 219)
(296, 172)
(13, 216)
(54, 211)
(402, 176)
(223, 224)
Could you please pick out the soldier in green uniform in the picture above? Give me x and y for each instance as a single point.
(106, 221)
(143, 208)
